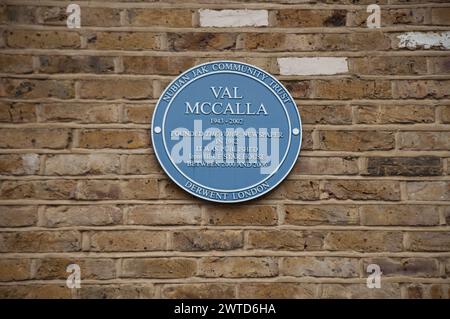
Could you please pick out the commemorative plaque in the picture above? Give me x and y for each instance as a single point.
(226, 131)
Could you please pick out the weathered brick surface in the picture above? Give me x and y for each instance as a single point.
(198, 240)
(320, 267)
(404, 166)
(368, 241)
(235, 267)
(58, 216)
(127, 240)
(277, 290)
(285, 240)
(164, 215)
(158, 268)
(55, 268)
(241, 215)
(321, 215)
(203, 291)
(18, 216)
(80, 182)
(377, 215)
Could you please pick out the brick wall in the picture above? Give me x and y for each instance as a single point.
(80, 184)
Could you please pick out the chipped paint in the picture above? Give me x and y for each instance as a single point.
(234, 18)
(313, 66)
(425, 40)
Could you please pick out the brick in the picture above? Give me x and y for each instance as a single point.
(439, 16)
(143, 188)
(76, 64)
(391, 17)
(19, 15)
(79, 112)
(49, 189)
(201, 41)
(15, 269)
(428, 191)
(277, 290)
(288, 18)
(199, 291)
(297, 190)
(313, 66)
(298, 89)
(285, 240)
(96, 215)
(17, 112)
(439, 65)
(266, 63)
(326, 166)
(17, 64)
(127, 240)
(118, 291)
(233, 18)
(92, 268)
(396, 65)
(362, 190)
(364, 241)
(158, 268)
(156, 64)
(426, 141)
(35, 89)
(325, 114)
(410, 267)
(404, 166)
(141, 113)
(100, 17)
(164, 215)
(50, 291)
(19, 164)
(307, 141)
(240, 215)
(426, 291)
(170, 190)
(18, 216)
(116, 89)
(238, 267)
(197, 240)
(355, 141)
(348, 89)
(399, 215)
(123, 41)
(142, 164)
(447, 266)
(160, 17)
(279, 42)
(394, 114)
(360, 291)
(308, 215)
(28, 39)
(77, 164)
(421, 89)
(427, 241)
(320, 267)
(353, 41)
(113, 138)
(447, 214)
(34, 138)
(40, 241)
(422, 40)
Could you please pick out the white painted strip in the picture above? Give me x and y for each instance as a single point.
(234, 18)
(313, 66)
(426, 40)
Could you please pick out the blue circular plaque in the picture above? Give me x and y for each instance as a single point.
(226, 131)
